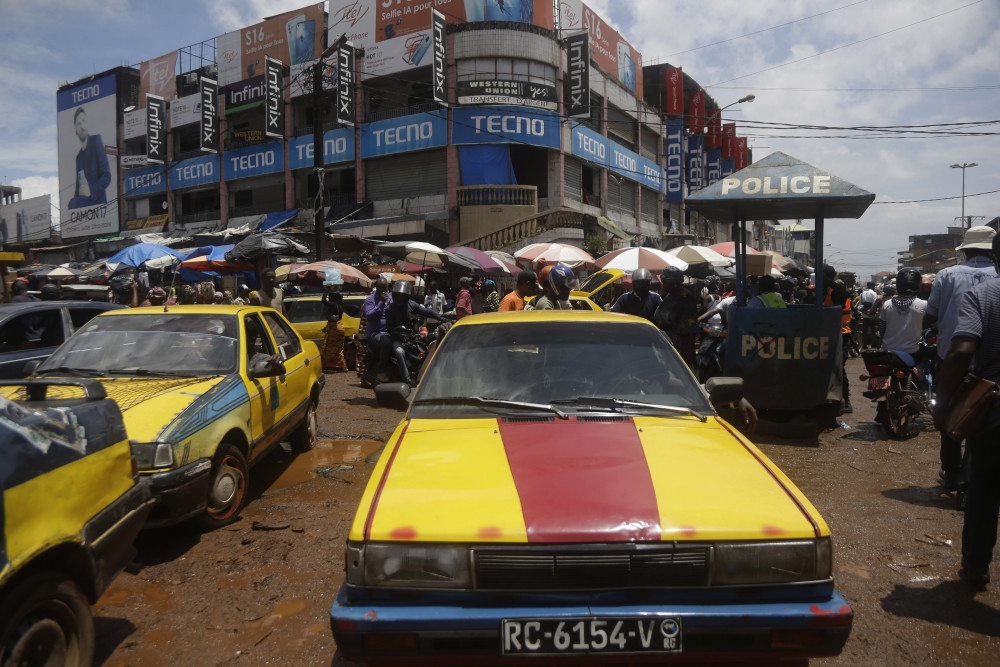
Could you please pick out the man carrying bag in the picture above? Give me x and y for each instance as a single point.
(976, 341)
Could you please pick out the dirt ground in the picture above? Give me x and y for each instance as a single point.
(259, 591)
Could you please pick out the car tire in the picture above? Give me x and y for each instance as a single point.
(46, 619)
(304, 437)
(227, 487)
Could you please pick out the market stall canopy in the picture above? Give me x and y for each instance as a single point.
(426, 255)
(264, 242)
(144, 255)
(780, 187)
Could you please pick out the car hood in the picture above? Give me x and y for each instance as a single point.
(612, 480)
(151, 406)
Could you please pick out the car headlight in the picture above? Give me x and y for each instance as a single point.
(408, 565)
(152, 455)
(742, 563)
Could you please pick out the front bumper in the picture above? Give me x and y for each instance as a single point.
(180, 494)
(440, 633)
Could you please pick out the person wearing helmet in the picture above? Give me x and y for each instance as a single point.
(51, 292)
(401, 312)
(677, 315)
(640, 302)
(556, 288)
(904, 314)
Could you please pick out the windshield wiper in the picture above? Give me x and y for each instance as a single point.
(69, 370)
(491, 403)
(616, 403)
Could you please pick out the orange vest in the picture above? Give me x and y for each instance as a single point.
(845, 313)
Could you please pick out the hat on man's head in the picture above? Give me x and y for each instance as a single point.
(978, 238)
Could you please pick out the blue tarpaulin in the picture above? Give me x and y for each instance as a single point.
(272, 220)
(486, 165)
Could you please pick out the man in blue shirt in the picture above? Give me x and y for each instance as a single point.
(376, 332)
(975, 342)
(946, 297)
(640, 301)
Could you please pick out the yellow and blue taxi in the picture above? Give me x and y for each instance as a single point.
(308, 317)
(561, 487)
(71, 503)
(206, 391)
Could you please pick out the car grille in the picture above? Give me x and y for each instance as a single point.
(589, 569)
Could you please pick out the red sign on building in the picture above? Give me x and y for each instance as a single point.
(675, 91)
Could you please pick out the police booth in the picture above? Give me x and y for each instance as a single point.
(789, 358)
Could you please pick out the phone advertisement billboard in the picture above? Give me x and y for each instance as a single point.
(609, 50)
(26, 220)
(88, 166)
(293, 38)
(396, 34)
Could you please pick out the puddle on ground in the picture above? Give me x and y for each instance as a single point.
(325, 458)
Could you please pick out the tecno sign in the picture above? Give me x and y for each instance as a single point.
(797, 185)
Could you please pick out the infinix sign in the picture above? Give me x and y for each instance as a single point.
(274, 99)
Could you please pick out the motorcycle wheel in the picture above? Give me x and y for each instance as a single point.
(897, 415)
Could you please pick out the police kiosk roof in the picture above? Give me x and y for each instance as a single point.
(780, 187)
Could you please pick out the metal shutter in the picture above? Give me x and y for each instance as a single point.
(573, 179)
(410, 175)
(649, 204)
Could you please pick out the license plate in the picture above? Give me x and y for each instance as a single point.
(563, 636)
(878, 383)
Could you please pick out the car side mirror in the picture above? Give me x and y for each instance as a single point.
(265, 368)
(30, 367)
(724, 390)
(395, 395)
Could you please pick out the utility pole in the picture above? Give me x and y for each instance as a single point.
(965, 165)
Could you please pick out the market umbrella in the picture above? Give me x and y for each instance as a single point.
(424, 254)
(781, 262)
(317, 270)
(57, 273)
(266, 242)
(144, 255)
(504, 257)
(486, 263)
(728, 249)
(213, 258)
(630, 259)
(281, 273)
(555, 253)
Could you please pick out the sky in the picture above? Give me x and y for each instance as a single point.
(819, 72)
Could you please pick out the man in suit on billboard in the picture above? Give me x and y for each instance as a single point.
(93, 174)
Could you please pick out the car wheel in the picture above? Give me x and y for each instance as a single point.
(46, 621)
(304, 437)
(227, 491)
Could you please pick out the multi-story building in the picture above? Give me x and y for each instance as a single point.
(496, 152)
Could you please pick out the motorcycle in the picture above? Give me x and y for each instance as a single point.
(713, 341)
(901, 386)
(414, 343)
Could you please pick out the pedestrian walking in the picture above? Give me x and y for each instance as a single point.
(976, 342)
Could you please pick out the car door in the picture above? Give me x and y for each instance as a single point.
(265, 397)
(294, 384)
(29, 336)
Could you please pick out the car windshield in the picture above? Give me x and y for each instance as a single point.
(559, 364)
(161, 344)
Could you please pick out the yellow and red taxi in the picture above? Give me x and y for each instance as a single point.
(71, 504)
(561, 487)
(206, 391)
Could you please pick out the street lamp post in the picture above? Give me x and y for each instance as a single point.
(963, 167)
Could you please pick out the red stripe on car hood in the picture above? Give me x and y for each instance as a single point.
(582, 481)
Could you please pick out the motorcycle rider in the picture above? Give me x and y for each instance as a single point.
(678, 313)
(557, 286)
(400, 312)
(904, 317)
(640, 301)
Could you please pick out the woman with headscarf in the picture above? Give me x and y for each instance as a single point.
(333, 342)
(491, 298)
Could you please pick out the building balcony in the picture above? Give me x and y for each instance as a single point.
(498, 195)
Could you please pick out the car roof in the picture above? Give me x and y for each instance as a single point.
(316, 296)
(533, 316)
(194, 309)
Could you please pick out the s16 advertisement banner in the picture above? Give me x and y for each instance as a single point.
(293, 37)
(609, 50)
(397, 34)
(26, 220)
(86, 122)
